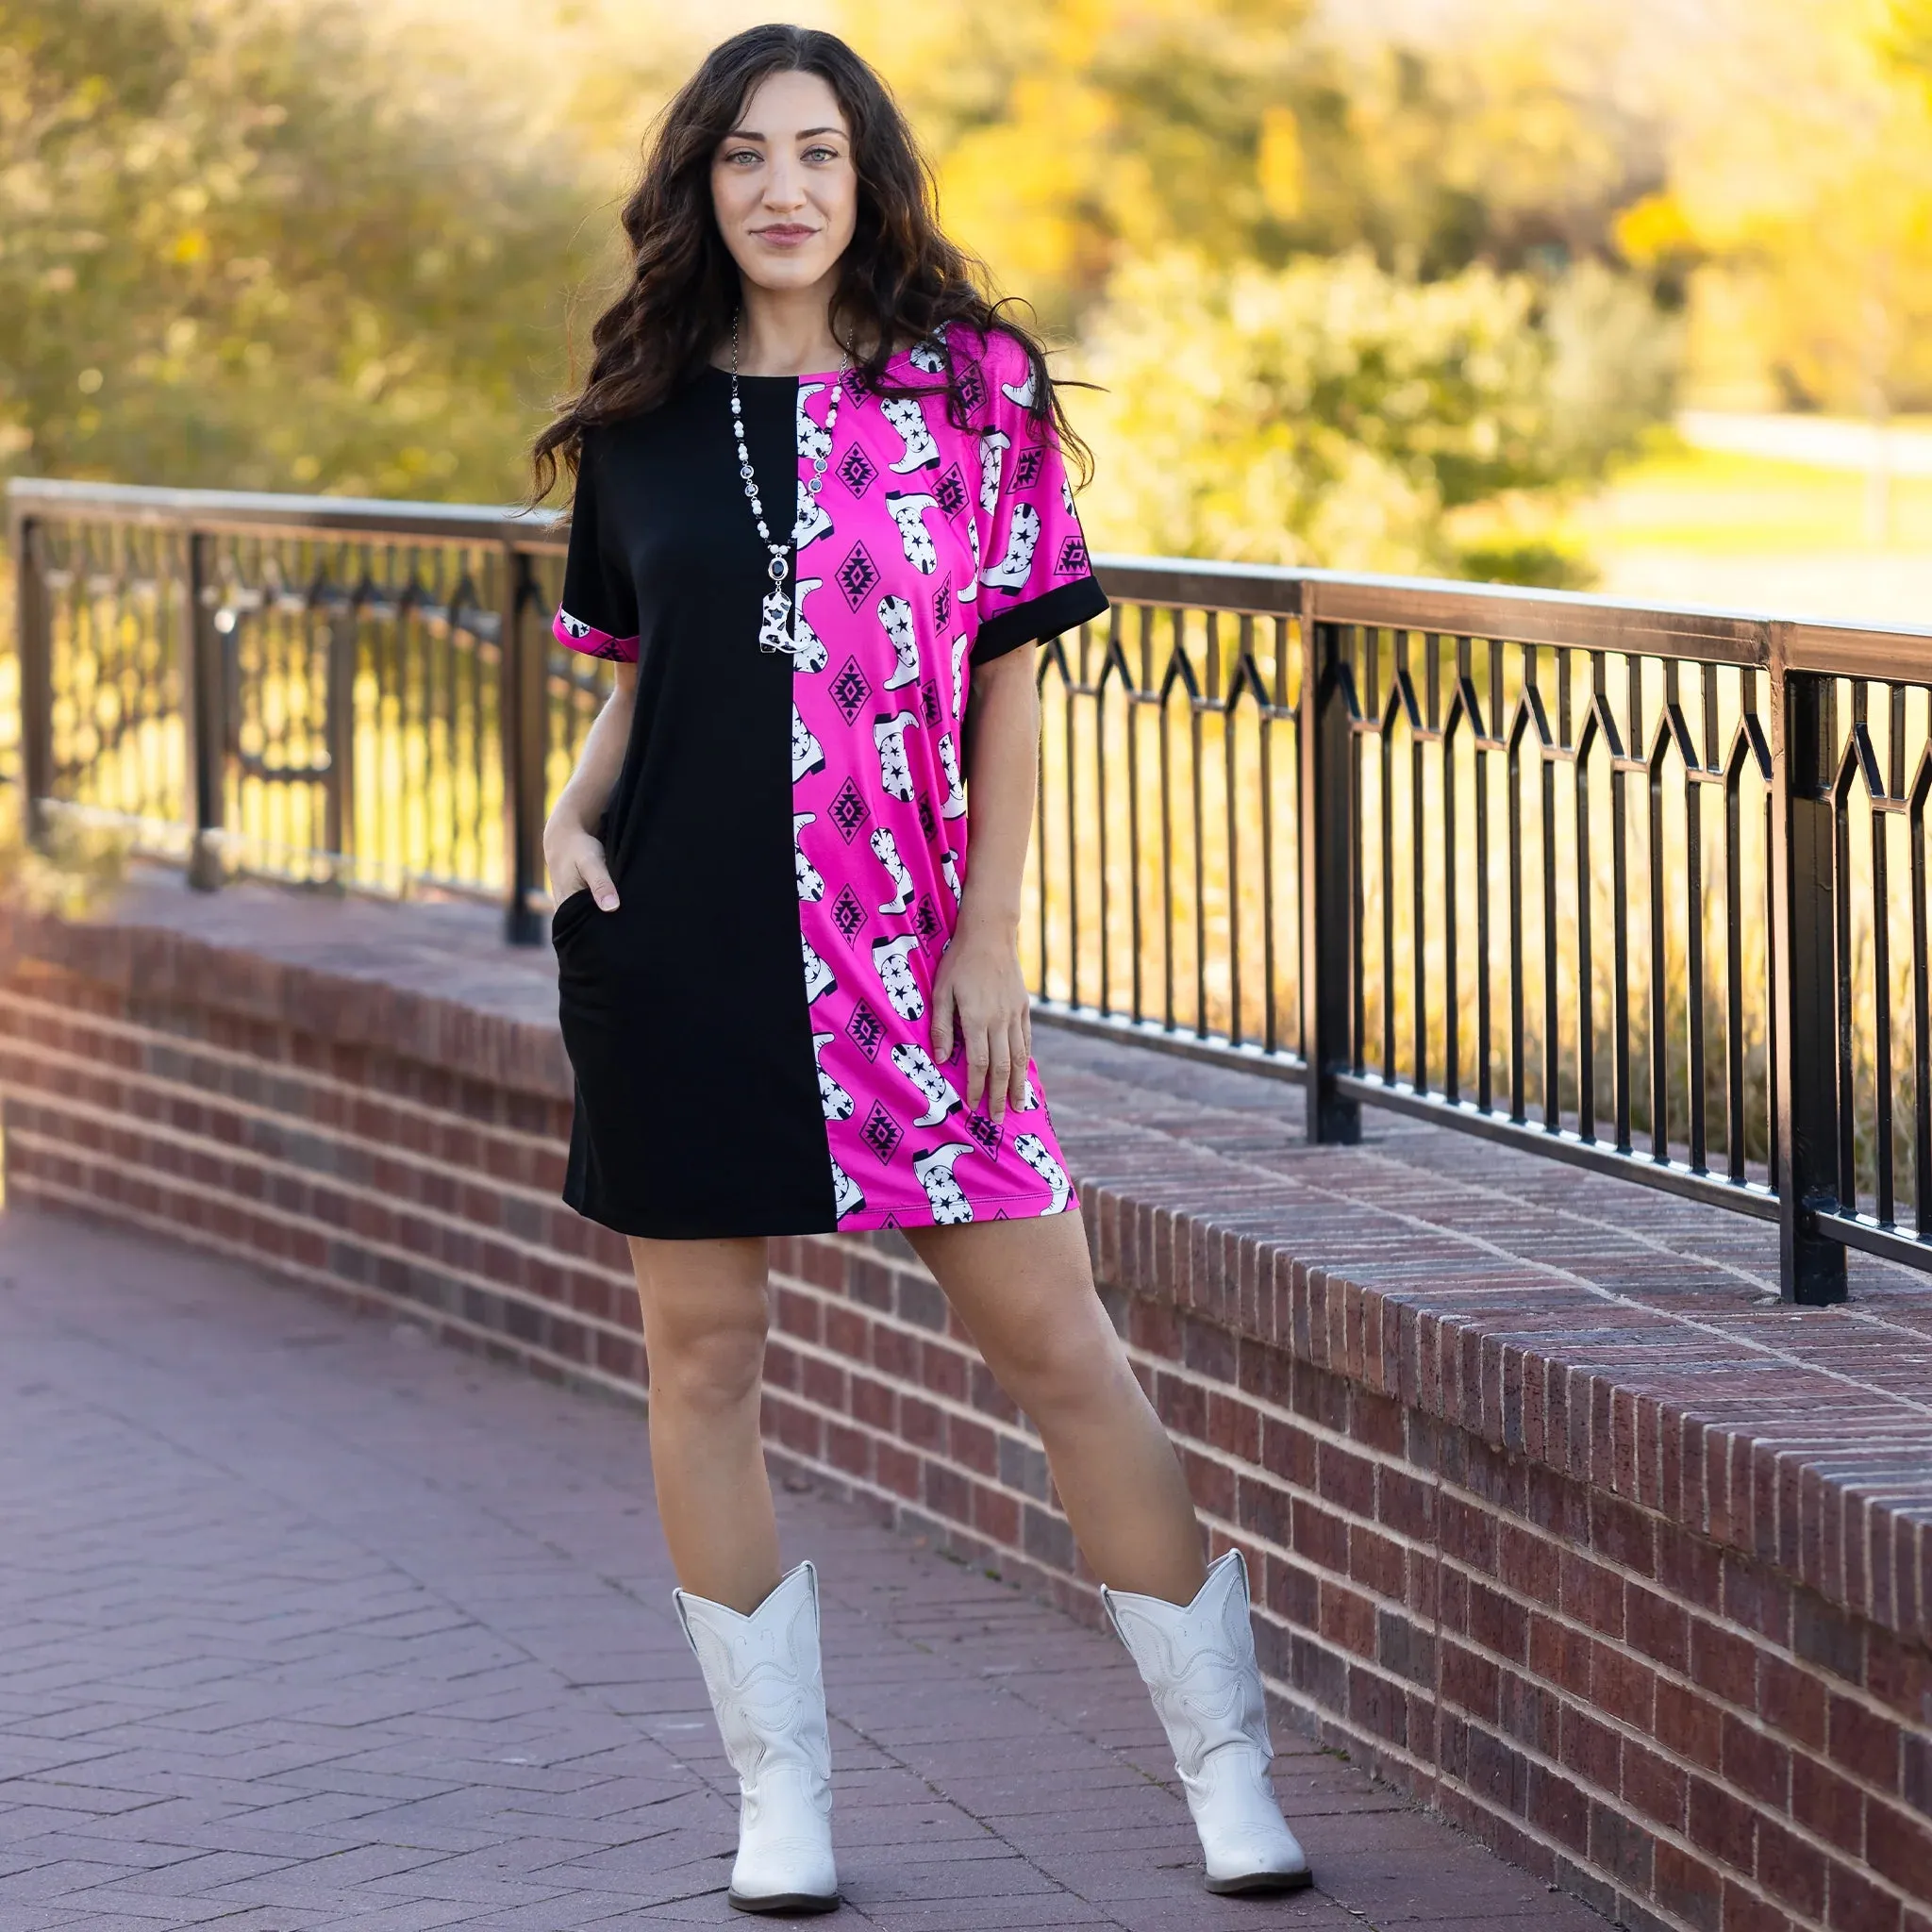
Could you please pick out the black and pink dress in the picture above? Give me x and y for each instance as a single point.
(751, 1030)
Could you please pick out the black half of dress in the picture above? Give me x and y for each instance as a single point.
(683, 1011)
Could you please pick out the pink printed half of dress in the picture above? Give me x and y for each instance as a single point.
(922, 533)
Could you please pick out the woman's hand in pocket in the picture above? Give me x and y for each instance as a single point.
(574, 857)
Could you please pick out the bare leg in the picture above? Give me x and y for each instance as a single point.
(706, 1312)
(1024, 1290)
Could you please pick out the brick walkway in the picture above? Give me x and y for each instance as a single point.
(305, 1623)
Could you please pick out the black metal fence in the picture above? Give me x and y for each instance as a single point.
(1642, 889)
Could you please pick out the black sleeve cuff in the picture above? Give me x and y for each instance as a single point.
(1038, 618)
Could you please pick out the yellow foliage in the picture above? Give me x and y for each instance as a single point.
(1281, 165)
(1813, 210)
(1654, 229)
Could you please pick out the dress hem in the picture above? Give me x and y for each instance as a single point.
(864, 1222)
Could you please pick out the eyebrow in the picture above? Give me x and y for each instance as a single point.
(752, 133)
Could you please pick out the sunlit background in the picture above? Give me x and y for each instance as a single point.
(1635, 296)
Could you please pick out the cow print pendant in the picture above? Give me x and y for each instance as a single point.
(774, 631)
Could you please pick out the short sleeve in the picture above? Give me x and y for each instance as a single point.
(598, 614)
(1035, 580)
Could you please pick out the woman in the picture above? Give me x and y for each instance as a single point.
(821, 519)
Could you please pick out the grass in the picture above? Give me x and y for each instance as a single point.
(1709, 503)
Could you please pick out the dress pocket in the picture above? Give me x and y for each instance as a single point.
(569, 915)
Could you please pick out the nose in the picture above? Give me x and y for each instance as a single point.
(784, 185)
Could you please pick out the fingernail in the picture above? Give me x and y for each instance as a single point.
(609, 905)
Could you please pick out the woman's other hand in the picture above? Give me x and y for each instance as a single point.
(980, 999)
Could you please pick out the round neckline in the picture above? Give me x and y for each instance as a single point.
(805, 375)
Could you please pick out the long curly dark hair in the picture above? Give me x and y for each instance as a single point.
(900, 278)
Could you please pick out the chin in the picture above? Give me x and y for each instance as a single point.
(781, 274)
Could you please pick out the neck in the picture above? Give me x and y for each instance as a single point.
(787, 331)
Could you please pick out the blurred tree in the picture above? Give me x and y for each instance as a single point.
(1804, 224)
(238, 247)
(1334, 414)
(1074, 136)
(1909, 39)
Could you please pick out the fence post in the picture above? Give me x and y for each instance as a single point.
(1328, 859)
(521, 722)
(204, 715)
(342, 629)
(34, 639)
(1804, 978)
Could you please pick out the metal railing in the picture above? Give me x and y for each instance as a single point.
(1642, 889)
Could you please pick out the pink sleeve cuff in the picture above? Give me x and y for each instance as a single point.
(576, 635)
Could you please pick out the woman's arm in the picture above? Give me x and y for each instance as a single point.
(572, 851)
(979, 979)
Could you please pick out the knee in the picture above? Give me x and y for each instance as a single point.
(1066, 1367)
(709, 1365)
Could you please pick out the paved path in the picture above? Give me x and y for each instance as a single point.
(306, 1622)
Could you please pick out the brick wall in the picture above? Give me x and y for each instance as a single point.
(1655, 1651)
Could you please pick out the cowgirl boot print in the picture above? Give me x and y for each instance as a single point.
(885, 848)
(808, 648)
(889, 740)
(1023, 535)
(896, 616)
(941, 1096)
(767, 1690)
(1033, 1151)
(961, 644)
(955, 807)
(832, 1097)
(908, 508)
(811, 882)
(933, 1171)
(847, 1196)
(807, 754)
(896, 976)
(813, 520)
(909, 423)
(1198, 1661)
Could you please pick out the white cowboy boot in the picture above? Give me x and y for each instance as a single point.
(1199, 1662)
(768, 1697)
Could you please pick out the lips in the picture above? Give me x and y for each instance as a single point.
(784, 232)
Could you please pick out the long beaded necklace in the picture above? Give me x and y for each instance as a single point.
(778, 629)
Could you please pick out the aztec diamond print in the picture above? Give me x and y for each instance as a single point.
(850, 690)
(848, 915)
(858, 472)
(850, 810)
(1073, 558)
(866, 1030)
(881, 1132)
(951, 491)
(858, 574)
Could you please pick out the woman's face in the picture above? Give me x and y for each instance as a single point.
(783, 186)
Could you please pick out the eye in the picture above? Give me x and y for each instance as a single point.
(820, 152)
(738, 156)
